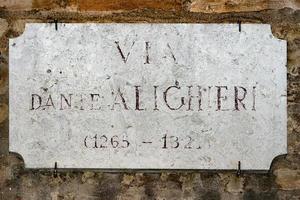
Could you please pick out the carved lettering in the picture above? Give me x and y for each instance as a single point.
(147, 53)
(193, 98)
(63, 98)
(121, 96)
(166, 99)
(137, 98)
(33, 101)
(124, 58)
(220, 96)
(238, 100)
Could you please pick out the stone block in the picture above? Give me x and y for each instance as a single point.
(106, 5)
(288, 179)
(223, 6)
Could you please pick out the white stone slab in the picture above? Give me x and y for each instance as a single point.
(153, 96)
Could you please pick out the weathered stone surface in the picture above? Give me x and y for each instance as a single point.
(288, 179)
(17, 27)
(290, 195)
(8, 167)
(207, 6)
(105, 5)
(190, 185)
(138, 87)
(38, 4)
(3, 76)
(3, 26)
(212, 6)
(90, 5)
(127, 179)
(16, 4)
(3, 112)
(233, 183)
(3, 59)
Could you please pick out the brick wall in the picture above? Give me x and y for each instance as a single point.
(283, 179)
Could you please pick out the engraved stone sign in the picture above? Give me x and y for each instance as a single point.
(148, 96)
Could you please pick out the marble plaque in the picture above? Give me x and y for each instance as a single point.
(148, 96)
